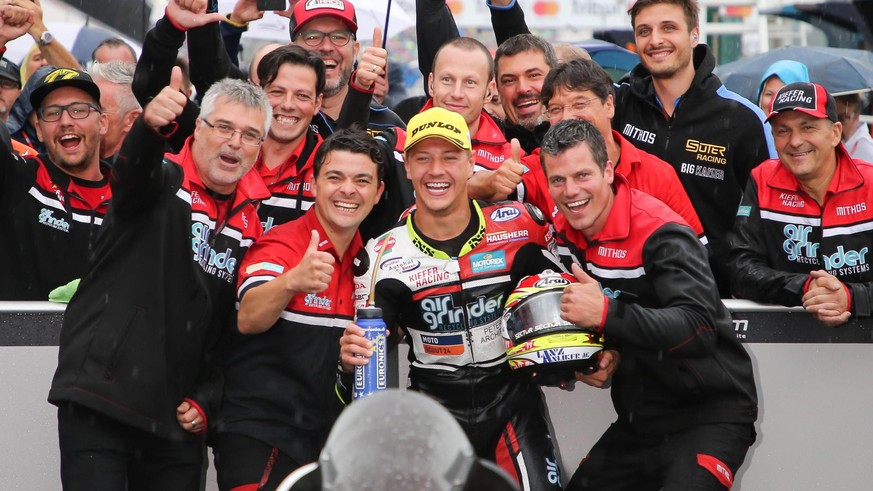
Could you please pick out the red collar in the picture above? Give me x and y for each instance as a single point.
(489, 131)
(309, 221)
(617, 226)
(846, 177)
(250, 187)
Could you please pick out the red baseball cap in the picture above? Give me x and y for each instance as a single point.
(804, 97)
(307, 10)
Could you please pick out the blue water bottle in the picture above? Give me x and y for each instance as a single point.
(372, 377)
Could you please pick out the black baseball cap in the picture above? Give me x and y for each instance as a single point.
(63, 77)
(10, 71)
(805, 97)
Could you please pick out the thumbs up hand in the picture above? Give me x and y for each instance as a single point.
(582, 303)
(497, 185)
(313, 273)
(168, 104)
(373, 64)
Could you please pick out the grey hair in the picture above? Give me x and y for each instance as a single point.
(570, 133)
(118, 73)
(239, 91)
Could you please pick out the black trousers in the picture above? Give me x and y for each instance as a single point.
(98, 452)
(703, 457)
(246, 464)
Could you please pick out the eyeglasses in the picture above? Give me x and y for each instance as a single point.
(226, 132)
(76, 110)
(314, 38)
(555, 112)
(7, 84)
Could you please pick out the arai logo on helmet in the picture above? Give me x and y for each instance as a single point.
(505, 214)
(551, 282)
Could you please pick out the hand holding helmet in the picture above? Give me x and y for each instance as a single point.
(540, 344)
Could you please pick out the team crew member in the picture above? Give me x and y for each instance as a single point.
(52, 204)
(682, 385)
(327, 29)
(582, 89)
(136, 384)
(293, 79)
(522, 63)
(443, 275)
(674, 107)
(296, 294)
(802, 235)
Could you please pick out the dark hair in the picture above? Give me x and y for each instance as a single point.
(570, 133)
(354, 139)
(689, 7)
(578, 75)
(113, 43)
(468, 44)
(526, 42)
(852, 101)
(268, 68)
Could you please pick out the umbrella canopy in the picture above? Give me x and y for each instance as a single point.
(79, 39)
(370, 13)
(839, 70)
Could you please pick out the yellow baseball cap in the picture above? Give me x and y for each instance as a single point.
(440, 123)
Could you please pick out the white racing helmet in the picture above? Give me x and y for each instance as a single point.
(539, 343)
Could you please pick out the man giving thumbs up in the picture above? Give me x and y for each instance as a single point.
(295, 292)
(683, 389)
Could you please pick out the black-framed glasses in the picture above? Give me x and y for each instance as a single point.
(555, 111)
(76, 110)
(226, 132)
(314, 38)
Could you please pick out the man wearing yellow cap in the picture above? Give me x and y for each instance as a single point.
(442, 275)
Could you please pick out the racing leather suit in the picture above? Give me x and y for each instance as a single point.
(450, 309)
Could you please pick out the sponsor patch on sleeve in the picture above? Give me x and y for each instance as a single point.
(744, 211)
(265, 266)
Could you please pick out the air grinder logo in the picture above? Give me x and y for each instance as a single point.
(218, 264)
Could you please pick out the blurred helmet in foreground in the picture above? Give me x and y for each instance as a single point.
(539, 344)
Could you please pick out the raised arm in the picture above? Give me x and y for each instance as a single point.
(54, 52)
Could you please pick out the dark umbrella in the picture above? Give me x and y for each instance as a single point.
(838, 70)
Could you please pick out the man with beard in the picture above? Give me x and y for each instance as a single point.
(327, 27)
(522, 64)
(675, 108)
(52, 205)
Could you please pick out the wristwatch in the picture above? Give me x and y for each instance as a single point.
(45, 38)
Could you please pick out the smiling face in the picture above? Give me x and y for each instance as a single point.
(439, 171)
(338, 60)
(583, 104)
(664, 41)
(346, 189)
(580, 189)
(72, 144)
(222, 162)
(460, 87)
(294, 101)
(520, 80)
(805, 144)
